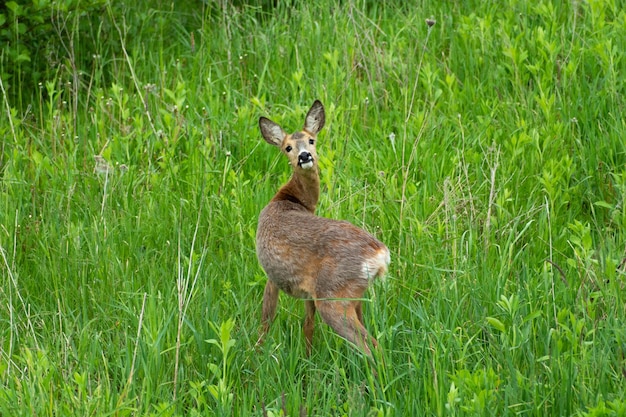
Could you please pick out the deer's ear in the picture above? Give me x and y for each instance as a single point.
(315, 118)
(272, 133)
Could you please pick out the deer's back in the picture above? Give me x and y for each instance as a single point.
(305, 255)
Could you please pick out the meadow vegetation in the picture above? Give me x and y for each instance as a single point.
(486, 150)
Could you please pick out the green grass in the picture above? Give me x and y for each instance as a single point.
(487, 152)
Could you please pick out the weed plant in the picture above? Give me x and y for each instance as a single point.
(485, 147)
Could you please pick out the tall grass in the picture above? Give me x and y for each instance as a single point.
(486, 151)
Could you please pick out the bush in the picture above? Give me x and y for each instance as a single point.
(40, 35)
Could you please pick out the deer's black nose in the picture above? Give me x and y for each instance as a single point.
(305, 157)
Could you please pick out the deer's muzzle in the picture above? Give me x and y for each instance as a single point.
(305, 160)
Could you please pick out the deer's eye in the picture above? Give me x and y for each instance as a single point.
(288, 148)
(311, 141)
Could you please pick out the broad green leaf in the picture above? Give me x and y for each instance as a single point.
(603, 204)
(23, 58)
(494, 322)
(13, 6)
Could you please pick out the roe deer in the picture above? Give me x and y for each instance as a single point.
(328, 263)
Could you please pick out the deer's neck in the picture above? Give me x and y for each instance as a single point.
(303, 188)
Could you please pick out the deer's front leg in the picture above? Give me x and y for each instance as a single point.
(309, 323)
(270, 299)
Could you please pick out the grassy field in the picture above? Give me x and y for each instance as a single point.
(488, 151)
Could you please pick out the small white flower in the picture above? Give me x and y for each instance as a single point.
(392, 139)
(102, 167)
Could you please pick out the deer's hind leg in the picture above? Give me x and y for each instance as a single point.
(342, 316)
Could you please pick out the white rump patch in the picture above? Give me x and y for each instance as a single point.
(376, 265)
